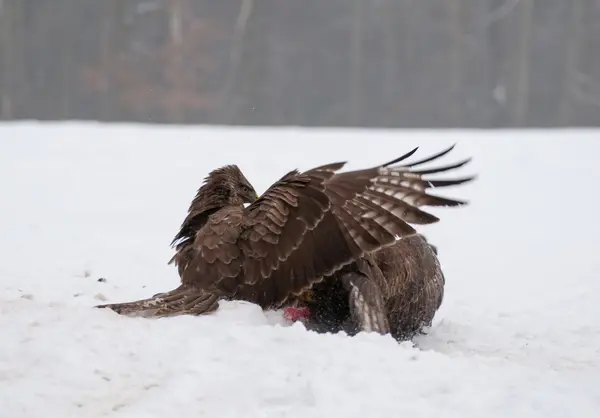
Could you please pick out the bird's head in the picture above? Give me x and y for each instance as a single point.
(232, 185)
(222, 187)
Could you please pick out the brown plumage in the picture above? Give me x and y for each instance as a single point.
(395, 290)
(225, 186)
(304, 228)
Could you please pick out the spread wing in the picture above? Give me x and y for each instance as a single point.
(239, 248)
(309, 225)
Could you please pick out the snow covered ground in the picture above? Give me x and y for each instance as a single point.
(87, 214)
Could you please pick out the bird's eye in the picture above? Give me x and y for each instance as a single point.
(245, 189)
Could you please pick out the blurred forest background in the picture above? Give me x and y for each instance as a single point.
(375, 63)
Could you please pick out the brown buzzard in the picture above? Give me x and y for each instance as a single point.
(306, 227)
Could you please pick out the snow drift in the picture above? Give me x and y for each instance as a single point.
(88, 211)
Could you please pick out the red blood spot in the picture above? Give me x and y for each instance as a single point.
(294, 314)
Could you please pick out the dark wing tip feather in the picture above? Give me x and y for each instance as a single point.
(421, 161)
(431, 158)
(453, 182)
(443, 168)
(401, 158)
(439, 201)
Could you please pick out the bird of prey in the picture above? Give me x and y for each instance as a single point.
(307, 227)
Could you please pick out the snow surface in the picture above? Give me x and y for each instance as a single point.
(518, 334)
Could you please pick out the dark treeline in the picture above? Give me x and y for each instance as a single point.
(379, 63)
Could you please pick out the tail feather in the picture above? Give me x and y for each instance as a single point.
(182, 301)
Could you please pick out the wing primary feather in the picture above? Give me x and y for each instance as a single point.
(441, 169)
(414, 196)
(401, 158)
(403, 210)
(428, 159)
(447, 183)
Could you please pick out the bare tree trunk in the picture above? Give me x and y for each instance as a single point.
(116, 43)
(574, 44)
(389, 66)
(456, 70)
(522, 84)
(405, 45)
(110, 21)
(235, 59)
(176, 23)
(67, 63)
(356, 62)
(6, 58)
